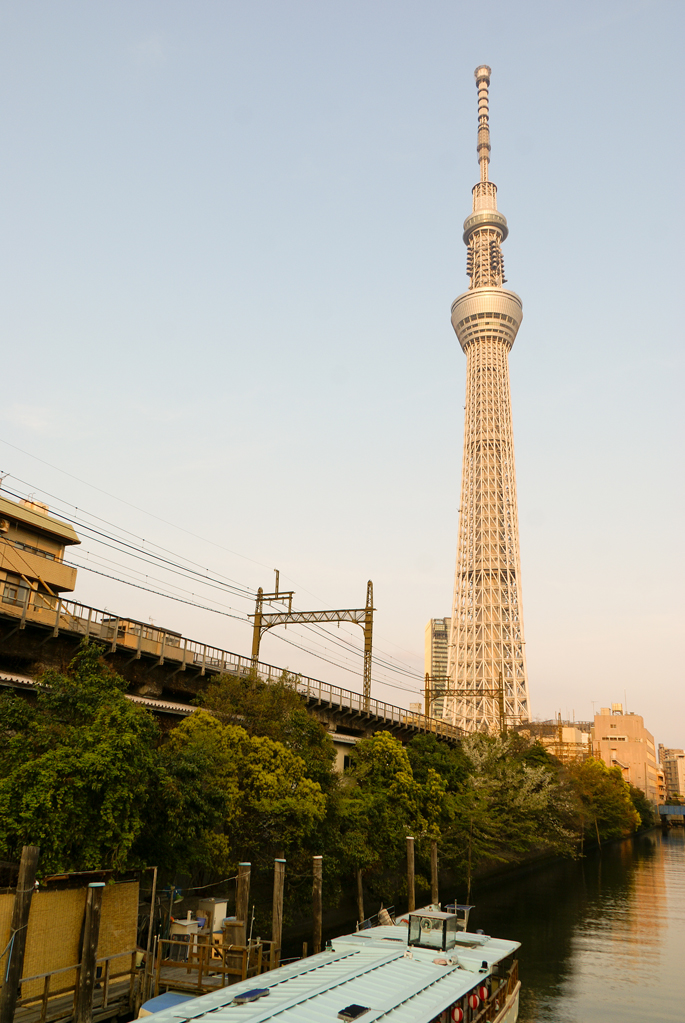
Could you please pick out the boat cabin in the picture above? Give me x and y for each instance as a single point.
(431, 929)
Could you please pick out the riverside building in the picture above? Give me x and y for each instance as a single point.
(673, 767)
(621, 740)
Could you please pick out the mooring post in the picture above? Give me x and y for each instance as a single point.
(242, 900)
(411, 897)
(277, 915)
(89, 952)
(360, 896)
(434, 871)
(317, 904)
(12, 967)
(147, 974)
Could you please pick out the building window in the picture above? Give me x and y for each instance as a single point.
(15, 591)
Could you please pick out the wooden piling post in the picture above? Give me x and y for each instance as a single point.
(434, 871)
(360, 896)
(277, 912)
(411, 895)
(317, 902)
(147, 975)
(12, 966)
(89, 953)
(242, 898)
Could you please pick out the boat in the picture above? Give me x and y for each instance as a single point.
(423, 968)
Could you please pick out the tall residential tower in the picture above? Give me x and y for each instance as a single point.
(486, 637)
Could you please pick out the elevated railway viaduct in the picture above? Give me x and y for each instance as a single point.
(166, 671)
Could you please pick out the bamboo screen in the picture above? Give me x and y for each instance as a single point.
(54, 933)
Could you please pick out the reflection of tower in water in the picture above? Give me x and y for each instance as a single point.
(486, 638)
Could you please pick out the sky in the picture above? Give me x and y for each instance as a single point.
(230, 237)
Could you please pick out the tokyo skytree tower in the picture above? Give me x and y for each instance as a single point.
(486, 638)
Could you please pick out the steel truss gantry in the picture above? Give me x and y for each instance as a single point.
(358, 616)
(437, 687)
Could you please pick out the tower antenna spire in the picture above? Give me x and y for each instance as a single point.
(486, 636)
(482, 74)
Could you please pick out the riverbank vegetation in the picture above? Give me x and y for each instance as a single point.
(87, 775)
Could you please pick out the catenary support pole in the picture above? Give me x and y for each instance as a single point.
(277, 913)
(89, 953)
(434, 871)
(13, 960)
(317, 905)
(360, 896)
(411, 896)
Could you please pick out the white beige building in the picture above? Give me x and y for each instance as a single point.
(32, 546)
(621, 740)
(674, 773)
(436, 648)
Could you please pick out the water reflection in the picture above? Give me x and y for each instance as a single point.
(602, 938)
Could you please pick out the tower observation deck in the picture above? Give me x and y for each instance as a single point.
(486, 639)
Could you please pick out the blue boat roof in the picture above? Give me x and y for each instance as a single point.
(373, 968)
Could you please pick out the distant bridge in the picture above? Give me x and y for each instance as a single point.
(166, 671)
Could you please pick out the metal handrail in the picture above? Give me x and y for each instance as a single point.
(127, 633)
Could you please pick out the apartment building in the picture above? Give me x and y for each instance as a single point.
(621, 740)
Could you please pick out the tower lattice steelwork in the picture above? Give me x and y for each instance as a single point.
(486, 641)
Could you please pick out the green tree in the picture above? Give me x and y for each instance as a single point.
(380, 805)
(76, 768)
(644, 808)
(235, 795)
(605, 807)
(275, 710)
(513, 802)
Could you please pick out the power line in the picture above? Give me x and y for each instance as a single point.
(169, 596)
(173, 525)
(130, 505)
(145, 555)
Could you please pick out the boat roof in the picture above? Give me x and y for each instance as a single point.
(373, 969)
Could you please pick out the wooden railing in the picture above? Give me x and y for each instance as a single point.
(64, 1000)
(202, 966)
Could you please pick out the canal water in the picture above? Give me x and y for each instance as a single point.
(603, 938)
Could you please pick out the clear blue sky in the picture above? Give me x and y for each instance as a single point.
(230, 239)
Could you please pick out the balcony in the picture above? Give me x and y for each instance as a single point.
(26, 562)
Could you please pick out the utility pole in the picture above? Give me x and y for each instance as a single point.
(358, 616)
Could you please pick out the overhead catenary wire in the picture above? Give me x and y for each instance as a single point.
(173, 525)
(201, 577)
(238, 589)
(204, 607)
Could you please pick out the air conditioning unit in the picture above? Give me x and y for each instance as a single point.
(4, 525)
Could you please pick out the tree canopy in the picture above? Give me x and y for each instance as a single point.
(77, 768)
(87, 775)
